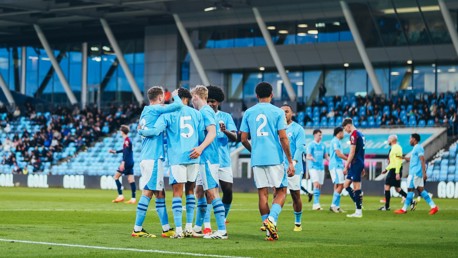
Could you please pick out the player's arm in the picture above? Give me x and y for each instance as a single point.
(309, 155)
(351, 155)
(230, 130)
(176, 105)
(211, 135)
(245, 142)
(340, 154)
(157, 129)
(299, 141)
(423, 167)
(285, 146)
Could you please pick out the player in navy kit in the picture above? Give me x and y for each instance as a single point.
(126, 167)
(355, 165)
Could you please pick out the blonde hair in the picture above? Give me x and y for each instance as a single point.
(200, 91)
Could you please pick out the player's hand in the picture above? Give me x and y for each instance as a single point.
(222, 126)
(291, 170)
(112, 151)
(175, 93)
(363, 173)
(121, 167)
(384, 171)
(425, 177)
(345, 170)
(196, 152)
(398, 177)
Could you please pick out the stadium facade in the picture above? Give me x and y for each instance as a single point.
(122, 47)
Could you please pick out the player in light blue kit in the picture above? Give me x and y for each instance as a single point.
(152, 155)
(296, 137)
(417, 176)
(336, 167)
(316, 153)
(183, 128)
(209, 164)
(266, 125)
(226, 134)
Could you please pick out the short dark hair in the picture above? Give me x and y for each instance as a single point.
(337, 130)
(154, 92)
(216, 93)
(125, 129)
(184, 93)
(416, 136)
(287, 105)
(347, 121)
(316, 131)
(263, 90)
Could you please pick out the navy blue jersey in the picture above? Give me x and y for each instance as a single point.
(127, 153)
(357, 138)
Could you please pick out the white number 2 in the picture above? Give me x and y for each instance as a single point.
(184, 125)
(263, 124)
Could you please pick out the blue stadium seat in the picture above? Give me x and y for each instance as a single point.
(430, 122)
(421, 123)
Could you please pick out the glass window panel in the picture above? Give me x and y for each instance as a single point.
(32, 72)
(387, 23)
(250, 84)
(297, 81)
(311, 79)
(235, 79)
(435, 22)
(362, 14)
(55, 86)
(447, 78)
(412, 22)
(400, 79)
(383, 76)
(4, 63)
(75, 80)
(356, 81)
(334, 82)
(424, 78)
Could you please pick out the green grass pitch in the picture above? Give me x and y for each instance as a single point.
(88, 218)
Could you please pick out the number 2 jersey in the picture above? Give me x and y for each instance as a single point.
(262, 122)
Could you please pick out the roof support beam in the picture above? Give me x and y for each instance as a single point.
(192, 51)
(130, 78)
(6, 91)
(23, 69)
(450, 24)
(48, 76)
(55, 64)
(361, 48)
(273, 52)
(84, 75)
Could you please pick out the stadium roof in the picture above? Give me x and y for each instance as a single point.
(78, 20)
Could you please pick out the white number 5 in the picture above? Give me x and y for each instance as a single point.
(263, 124)
(184, 125)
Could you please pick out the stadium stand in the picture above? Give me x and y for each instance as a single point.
(409, 110)
(37, 141)
(444, 165)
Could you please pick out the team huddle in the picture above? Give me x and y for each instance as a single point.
(197, 152)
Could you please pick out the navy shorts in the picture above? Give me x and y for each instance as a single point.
(128, 170)
(355, 171)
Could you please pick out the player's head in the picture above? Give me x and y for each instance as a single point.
(347, 124)
(156, 94)
(124, 130)
(414, 139)
(264, 90)
(288, 112)
(317, 135)
(215, 97)
(184, 95)
(199, 96)
(338, 132)
(392, 139)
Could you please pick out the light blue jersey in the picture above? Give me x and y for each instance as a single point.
(152, 148)
(415, 162)
(317, 150)
(211, 152)
(296, 136)
(262, 122)
(182, 131)
(223, 141)
(335, 161)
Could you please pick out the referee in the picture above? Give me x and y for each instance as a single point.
(394, 169)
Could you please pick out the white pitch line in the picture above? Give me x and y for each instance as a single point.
(118, 248)
(117, 210)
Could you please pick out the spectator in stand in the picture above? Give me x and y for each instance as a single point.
(7, 145)
(167, 96)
